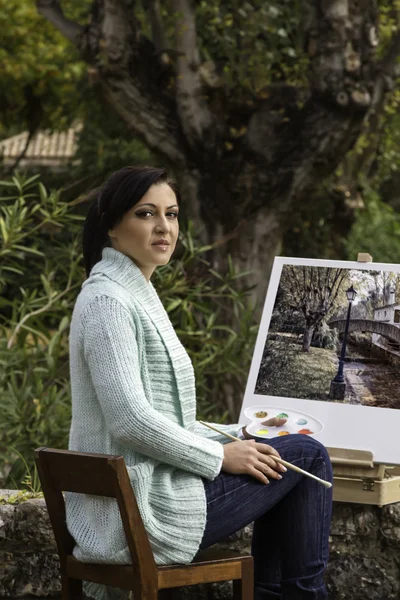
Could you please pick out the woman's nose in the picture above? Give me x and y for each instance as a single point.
(162, 225)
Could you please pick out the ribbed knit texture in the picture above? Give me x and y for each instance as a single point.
(133, 394)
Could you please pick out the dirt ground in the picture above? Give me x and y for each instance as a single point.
(372, 384)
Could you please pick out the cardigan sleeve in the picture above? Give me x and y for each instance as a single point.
(112, 354)
(235, 430)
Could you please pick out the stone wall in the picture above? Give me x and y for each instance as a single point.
(364, 561)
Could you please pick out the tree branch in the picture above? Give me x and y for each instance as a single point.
(157, 29)
(132, 78)
(196, 118)
(151, 122)
(52, 11)
(340, 40)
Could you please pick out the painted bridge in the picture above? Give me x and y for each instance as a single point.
(385, 329)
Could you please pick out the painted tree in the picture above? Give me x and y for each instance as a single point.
(385, 283)
(314, 291)
(252, 104)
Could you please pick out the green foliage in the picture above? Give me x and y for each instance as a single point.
(40, 277)
(388, 159)
(104, 145)
(376, 230)
(19, 497)
(44, 80)
(252, 43)
(40, 71)
(31, 484)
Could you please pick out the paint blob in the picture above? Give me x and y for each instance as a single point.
(301, 422)
(282, 416)
(305, 431)
(262, 432)
(260, 414)
(284, 433)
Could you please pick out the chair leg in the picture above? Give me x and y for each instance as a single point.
(243, 589)
(71, 589)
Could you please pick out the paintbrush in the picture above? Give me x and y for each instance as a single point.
(288, 465)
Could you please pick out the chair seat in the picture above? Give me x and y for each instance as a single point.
(209, 565)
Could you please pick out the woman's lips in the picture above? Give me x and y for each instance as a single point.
(161, 246)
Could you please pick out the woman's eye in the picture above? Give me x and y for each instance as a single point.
(146, 213)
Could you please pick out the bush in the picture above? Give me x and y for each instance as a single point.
(41, 275)
(325, 337)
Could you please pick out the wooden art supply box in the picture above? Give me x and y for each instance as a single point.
(358, 480)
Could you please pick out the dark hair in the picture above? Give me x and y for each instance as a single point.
(120, 192)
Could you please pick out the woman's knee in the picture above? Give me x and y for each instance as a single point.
(320, 453)
(302, 444)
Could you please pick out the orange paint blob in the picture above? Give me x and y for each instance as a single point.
(305, 431)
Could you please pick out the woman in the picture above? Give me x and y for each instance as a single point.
(133, 394)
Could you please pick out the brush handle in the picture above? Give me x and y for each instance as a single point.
(286, 464)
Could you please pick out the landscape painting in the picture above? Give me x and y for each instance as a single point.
(306, 335)
(329, 345)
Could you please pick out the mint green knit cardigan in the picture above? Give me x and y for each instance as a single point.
(133, 394)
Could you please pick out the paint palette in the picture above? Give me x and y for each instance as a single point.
(296, 422)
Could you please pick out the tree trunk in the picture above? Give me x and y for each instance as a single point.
(307, 337)
(252, 246)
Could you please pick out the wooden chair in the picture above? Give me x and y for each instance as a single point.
(106, 475)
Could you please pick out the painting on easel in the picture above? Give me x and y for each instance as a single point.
(328, 355)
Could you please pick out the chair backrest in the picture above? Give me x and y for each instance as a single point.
(97, 475)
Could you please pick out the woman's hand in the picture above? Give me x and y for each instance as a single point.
(274, 422)
(252, 458)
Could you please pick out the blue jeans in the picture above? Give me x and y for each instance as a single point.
(291, 518)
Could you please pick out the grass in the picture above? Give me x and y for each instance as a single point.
(287, 371)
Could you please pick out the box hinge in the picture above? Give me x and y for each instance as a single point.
(368, 485)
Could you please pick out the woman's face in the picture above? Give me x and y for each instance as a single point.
(149, 230)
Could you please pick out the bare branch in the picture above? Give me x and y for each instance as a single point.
(52, 11)
(196, 118)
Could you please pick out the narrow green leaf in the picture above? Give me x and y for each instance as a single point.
(174, 304)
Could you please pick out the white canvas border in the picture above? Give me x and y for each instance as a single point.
(345, 425)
